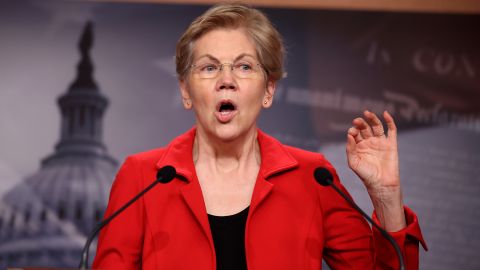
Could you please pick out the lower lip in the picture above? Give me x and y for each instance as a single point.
(225, 117)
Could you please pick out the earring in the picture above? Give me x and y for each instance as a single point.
(265, 102)
(187, 102)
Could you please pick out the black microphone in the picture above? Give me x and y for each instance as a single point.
(325, 178)
(164, 176)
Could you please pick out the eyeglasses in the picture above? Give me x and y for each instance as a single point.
(242, 69)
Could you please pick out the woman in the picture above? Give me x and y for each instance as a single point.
(241, 198)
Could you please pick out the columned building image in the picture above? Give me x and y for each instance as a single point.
(45, 219)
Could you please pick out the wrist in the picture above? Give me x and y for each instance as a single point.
(390, 196)
(388, 205)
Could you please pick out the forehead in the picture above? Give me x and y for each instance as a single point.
(224, 44)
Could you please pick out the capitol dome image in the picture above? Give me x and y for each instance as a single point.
(45, 219)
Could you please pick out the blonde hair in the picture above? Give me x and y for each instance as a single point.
(268, 42)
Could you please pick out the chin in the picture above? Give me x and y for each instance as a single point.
(229, 132)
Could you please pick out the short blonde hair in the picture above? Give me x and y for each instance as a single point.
(268, 42)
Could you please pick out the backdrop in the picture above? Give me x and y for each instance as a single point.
(423, 68)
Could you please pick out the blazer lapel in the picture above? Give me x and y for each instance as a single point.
(192, 194)
(275, 160)
(260, 192)
(179, 155)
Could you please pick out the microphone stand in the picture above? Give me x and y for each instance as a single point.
(164, 175)
(324, 178)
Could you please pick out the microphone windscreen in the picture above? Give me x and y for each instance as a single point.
(166, 174)
(323, 176)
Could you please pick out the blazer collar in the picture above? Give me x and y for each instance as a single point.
(275, 158)
(179, 155)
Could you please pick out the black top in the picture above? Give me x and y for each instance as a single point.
(228, 234)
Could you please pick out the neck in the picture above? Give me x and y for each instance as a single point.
(226, 156)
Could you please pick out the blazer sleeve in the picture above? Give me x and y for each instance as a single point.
(350, 243)
(407, 239)
(120, 242)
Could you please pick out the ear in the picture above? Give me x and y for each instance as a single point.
(269, 92)
(184, 90)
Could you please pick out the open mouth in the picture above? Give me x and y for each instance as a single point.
(226, 106)
(226, 111)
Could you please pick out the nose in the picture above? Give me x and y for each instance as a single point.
(226, 78)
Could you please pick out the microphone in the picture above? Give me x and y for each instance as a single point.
(325, 178)
(164, 176)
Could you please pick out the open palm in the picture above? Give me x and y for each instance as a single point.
(371, 154)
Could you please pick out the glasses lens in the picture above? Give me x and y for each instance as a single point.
(206, 70)
(242, 69)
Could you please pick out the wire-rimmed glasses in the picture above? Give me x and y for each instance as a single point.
(240, 69)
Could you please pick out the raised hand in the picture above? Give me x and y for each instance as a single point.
(373, 156)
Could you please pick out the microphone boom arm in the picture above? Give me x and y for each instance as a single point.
(164, 175)
(324, 177)
(374, 224)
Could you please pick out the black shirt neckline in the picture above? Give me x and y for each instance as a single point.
(228, 233)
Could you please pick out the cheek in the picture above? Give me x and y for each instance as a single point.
(202, 106)
(253, 101)
(258, 93)
(201, 96)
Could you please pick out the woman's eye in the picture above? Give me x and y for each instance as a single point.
(244, 67)
(209, 68)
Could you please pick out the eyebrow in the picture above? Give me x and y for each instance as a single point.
(211, 57)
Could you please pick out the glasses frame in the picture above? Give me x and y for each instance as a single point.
(232, 69)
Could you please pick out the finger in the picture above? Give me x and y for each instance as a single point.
(351, 149)
(363, 126)
(356, 135)
(375, 123)
(392, 127)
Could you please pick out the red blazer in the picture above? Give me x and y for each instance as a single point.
(292, 224)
